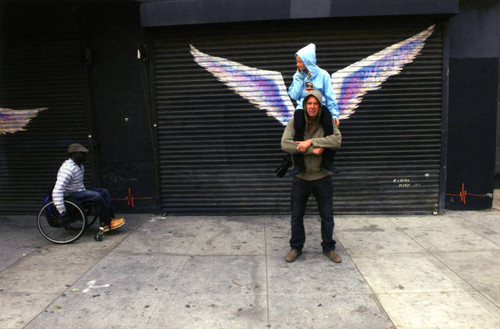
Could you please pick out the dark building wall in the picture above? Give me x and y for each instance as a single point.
(120, 111)
(473, 86)
(41, 66)
(118, 91)
(101, 38)
(473, 71)
(112, 30)
(166, 13)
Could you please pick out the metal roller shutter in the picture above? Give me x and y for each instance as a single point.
(42, 66)
(218, 152)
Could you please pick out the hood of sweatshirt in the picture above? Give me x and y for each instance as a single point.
(308, 56)
(316, 94)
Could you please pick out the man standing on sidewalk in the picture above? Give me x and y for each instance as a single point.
(314, 179)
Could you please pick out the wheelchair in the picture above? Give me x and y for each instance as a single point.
(60, 230)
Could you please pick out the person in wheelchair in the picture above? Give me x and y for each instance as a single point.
(70, 184)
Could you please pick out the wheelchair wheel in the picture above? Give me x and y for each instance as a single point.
(54, 229)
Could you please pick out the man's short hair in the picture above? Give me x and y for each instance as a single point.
(75, 147)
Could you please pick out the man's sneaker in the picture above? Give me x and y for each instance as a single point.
(293, 255)
(333, 256)
(115, 223)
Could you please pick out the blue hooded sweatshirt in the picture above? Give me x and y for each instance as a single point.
(317, 76)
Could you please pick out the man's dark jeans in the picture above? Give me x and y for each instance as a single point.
(322, 189)
(100, 195)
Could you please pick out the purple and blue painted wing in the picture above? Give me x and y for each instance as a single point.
(353, 82)
(264, 89)
(12, 121)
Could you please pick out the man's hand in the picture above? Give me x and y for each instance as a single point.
(336, 121)
(318, 150)
(303, 145)
(63, 218)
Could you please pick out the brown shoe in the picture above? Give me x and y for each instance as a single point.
(333, 256)
(293, 255)
(115, 223)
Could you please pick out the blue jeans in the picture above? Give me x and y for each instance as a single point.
(322, 189)
(102, 197)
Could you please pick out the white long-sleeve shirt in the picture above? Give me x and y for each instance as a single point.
(69, 180)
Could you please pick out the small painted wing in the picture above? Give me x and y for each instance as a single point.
(353, 82)
(264, 89)
(12, 121)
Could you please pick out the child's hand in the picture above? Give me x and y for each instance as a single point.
(318, 150)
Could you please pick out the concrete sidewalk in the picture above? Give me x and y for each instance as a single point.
(229, 272)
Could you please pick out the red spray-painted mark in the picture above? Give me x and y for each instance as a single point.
(130, 198)
(463, 194)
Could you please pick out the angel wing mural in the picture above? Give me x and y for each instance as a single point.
(12, 121)
(266, 89)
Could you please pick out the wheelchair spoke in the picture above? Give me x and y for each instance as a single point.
(56, 231)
